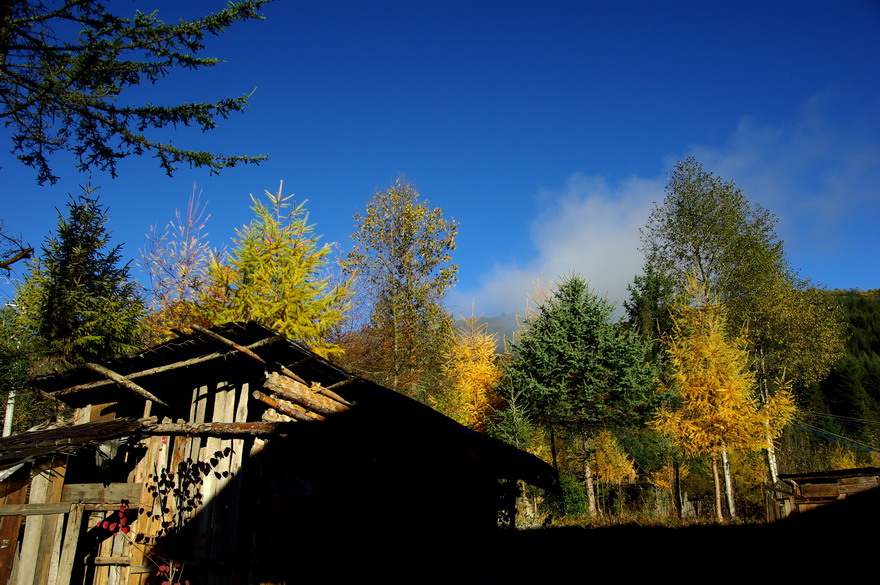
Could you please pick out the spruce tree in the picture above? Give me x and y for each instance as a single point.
(67, 69)
(79, 298)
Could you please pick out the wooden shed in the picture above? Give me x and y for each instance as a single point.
(796, 493)
(233, 455)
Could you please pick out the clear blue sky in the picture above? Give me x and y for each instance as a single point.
(544, 128)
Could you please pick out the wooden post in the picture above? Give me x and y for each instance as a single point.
(71, 539)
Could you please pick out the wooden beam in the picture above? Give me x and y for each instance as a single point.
(228, 342)
(212, 429)
(299, 393)
(101, 493)
(124, 382)
(54, 508)
(329, 393)
(68, 548)
(282, 408)
(166, 368)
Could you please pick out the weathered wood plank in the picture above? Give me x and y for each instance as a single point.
(12, 491)
(52, 508)
(230, 429)
(50, 539)
(30, 544)
(112, 493)
(71, 539)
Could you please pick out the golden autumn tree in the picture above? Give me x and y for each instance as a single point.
(471, 374)
(276, 275)
(401, 263)
(710, 377)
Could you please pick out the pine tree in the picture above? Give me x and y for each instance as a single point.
(275, 276)
(79, 298)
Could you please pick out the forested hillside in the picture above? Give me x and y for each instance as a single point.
(841, 414)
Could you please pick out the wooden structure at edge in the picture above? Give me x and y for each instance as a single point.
(237, 450)
(798, 493)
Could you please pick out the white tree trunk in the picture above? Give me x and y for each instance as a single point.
(718, 514)
(10, 411)
(728, 482)
(591, 488)
(771, 458)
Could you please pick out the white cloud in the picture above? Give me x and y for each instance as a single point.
(819, 177)
(589, 227)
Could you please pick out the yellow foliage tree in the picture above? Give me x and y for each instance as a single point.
(716, 410)
(611, 463)
(276, 276)
(472, 374)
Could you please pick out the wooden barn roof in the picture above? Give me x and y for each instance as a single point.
(249, 350)
(61, 440)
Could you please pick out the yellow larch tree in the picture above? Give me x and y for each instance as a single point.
(277, 275)
(471, 375)
(710, 376)
(611, 464)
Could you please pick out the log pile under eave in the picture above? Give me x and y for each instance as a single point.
(290, 399)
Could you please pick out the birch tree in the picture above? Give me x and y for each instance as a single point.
(401, 261)
(706, 225)
(711, 379)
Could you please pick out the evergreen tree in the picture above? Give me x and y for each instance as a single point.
(275, 276)
(573, 367)
(79, 298)
(649, 306)
(64, 64)
(575, 363)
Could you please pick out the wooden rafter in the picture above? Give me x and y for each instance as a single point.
(165, 368)
(124, 382)
(226, 341)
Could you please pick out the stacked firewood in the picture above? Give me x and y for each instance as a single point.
(291, 399)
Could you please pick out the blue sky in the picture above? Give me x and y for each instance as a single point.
(544, 128)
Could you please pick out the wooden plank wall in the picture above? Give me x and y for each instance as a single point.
(48, 549)
(12, 491)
